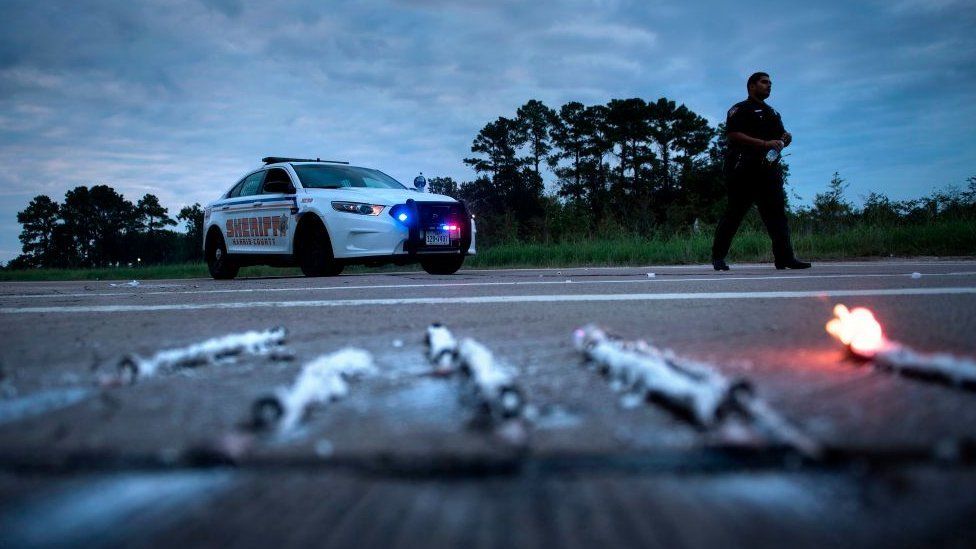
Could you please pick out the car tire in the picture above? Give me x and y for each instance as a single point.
(219, 263)
(442, 265)
(315, 256)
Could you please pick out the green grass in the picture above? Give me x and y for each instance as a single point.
(950, 238)
(947, 238)
(152, 272)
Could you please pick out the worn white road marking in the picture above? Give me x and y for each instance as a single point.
(642, 280)
(16, 409)
(471, 300)
(110, 509)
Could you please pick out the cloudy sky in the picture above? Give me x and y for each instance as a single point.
(179, 97)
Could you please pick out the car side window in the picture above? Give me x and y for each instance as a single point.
(236, 189)
(275, 174)
(252, 184)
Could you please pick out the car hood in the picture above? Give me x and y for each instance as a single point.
(384, 197)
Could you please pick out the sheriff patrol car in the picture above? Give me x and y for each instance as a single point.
(324, 215)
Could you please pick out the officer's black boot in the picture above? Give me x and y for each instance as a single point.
(793, 264)
(720, 265)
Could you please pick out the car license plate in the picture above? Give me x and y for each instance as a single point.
(438, 238)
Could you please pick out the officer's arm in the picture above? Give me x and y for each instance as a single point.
(740, 138)
(786, 137)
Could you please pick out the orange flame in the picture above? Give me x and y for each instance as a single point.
(858, 329)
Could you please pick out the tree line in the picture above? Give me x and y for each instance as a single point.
(831, 210)
(632, 167)
(628, 167)
(97, 227)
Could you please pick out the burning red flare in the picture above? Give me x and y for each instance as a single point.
(862, 335)
(858, 329)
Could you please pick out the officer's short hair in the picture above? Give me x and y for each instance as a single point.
(755, 78)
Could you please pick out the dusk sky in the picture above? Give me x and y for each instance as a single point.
(179, 98)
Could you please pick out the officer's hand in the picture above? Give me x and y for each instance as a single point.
(787, 139)
(775, 144)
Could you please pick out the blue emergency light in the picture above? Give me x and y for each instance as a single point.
(401, 212)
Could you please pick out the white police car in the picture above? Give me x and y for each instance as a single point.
(324, 215)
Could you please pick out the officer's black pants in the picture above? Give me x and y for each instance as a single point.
(762, 186)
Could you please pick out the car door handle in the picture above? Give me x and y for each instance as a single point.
(255, 203)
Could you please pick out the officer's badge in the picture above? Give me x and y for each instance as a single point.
(283, 225)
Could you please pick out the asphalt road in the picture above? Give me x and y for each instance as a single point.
(404, 459)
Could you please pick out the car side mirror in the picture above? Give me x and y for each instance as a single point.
(279, 187)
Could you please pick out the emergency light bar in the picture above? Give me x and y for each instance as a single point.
(277, 159)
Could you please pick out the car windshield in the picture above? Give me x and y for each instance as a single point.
(323, 176)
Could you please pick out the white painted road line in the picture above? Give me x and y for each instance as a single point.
(474, 300)
(641, 280)
(15, 409)
(708, 266)
(113, 510)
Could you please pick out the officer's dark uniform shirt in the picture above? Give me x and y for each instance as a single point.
(754, 119)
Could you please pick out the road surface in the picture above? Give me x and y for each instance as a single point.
(404, 459)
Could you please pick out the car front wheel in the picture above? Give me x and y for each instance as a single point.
(315, 254)
(442, 265)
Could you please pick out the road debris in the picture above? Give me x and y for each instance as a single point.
(323, 380)
(134, 367)
(693, 389)
(441, 349)
(131, 284)
(492, 388)
(864, 339)
(642, 369)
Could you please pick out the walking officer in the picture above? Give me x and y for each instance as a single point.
(756, 137)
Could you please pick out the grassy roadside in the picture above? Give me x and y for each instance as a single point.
(154, 272)
(955, 238)
(181, 270)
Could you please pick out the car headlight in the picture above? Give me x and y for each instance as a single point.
(357, 208)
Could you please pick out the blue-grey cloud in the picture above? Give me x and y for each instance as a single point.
(178, 98)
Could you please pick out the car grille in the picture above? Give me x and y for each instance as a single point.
(430, 216)
(433, 214)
